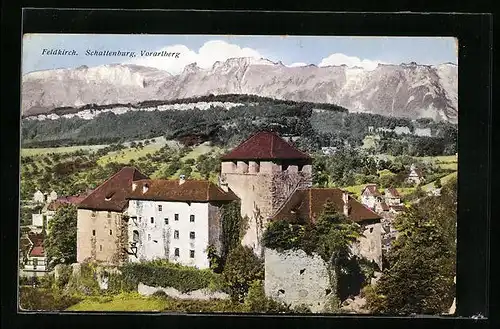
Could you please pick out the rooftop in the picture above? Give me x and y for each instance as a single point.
(173, 190)
(112, 194)
(308, 204)
(265, 145)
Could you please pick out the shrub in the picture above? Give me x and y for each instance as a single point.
(64, 276)
(34, 299)
(257, 302)
(86, 282)
(241, 269)
(165, 274)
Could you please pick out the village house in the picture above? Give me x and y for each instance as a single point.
(370, 196)
(415, 176)
(175, 220)
(48, 211)
(33, 261)
(39, 197)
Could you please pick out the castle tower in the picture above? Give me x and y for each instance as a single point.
(263, 172)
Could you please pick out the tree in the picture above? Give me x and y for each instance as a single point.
(421, 269)
(60, 244)
(241, 269)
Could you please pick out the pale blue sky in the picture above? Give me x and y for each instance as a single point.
(362, 51)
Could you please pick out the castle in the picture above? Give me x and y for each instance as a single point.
(132, 218)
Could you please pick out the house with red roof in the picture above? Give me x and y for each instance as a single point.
(370, 196)
(34, 262)
(175, 220)
(415, 176)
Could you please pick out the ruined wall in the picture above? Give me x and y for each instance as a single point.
(296, 278)
(103, 245)
(369, 245)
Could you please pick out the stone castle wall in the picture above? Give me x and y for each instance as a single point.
(296, 278)
(262, 188)
(103, 246)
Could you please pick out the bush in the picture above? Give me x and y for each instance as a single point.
(86, 282)
(164, 274)
(241, 269)
(64, 276)
(35, 299)
(257, 302)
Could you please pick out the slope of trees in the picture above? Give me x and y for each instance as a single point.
(333, 126)
(422, 262)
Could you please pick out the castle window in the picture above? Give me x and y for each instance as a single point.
(191, 253)
(191, 218)
(152, 220)
(166, 221)
(149, 237)
(176, 217)
(93, 232)
(110, 232)
(100, 247)
(176, 234)
(176, 252)
(135, 236)
(191, 235)
(109, 214)
(159, 207)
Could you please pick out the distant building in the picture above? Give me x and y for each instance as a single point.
(415, 176)
(392, 196)
(370, 195)
(34, 262)
(39, 197)
(329, 150)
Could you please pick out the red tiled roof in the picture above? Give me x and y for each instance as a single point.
(372, 190)
(61, 201)
(37, 251)
(265, 146)
(392, 192)
(172, 190)
(307, 204)
(36, 240)
(112, 194)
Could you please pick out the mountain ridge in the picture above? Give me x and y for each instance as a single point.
(407, 90)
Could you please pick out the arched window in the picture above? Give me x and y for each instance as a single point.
(135, 236)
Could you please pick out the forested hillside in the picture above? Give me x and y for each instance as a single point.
(316, 125)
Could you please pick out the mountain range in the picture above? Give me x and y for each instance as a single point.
(407, 90)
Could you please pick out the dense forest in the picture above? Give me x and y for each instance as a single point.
(316, 127)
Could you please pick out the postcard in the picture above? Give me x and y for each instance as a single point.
(238, 174)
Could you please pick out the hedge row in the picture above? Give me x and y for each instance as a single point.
(164, 274)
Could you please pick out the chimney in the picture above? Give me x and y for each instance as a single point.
(134, 186)
(345, 199)
(182, 179)
(145, 188)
